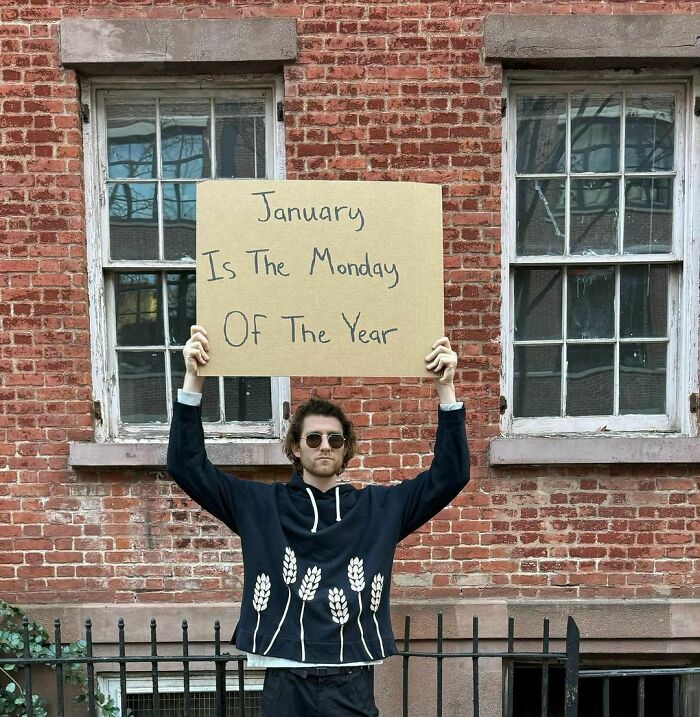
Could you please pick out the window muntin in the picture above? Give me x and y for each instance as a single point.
(596, 241)
(154, 145)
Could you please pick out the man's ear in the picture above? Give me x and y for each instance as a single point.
(296, 450)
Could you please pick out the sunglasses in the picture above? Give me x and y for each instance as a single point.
(335, 440)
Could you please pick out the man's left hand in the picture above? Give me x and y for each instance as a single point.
(442, 361)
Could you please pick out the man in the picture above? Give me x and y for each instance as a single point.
(317, 553)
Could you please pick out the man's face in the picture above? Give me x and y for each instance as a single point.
(323, 461)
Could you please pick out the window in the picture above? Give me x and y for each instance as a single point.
(595, 258)
(171, 695)
(149, 149)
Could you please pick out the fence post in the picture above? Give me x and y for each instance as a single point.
(573, 639)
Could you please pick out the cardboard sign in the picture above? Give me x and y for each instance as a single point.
(316, 278)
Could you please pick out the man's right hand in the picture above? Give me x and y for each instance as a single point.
(195, 354)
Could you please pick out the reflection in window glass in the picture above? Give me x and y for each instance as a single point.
(247, 399)
(138, 302)
(648, 215)
(590, 379)
(643, 378)
(590, 302)
(623, 205)
(643, 300)
(179, 219)
(239, 140)
(185, 139)
(133, 220)
(131, 140)
(541, 142)
(142, 386)
(150, 197)
(537, 381)
(537, 304)
(649, 132)
(541, 216)
(595, 132)
(595, 209)
(181, 305)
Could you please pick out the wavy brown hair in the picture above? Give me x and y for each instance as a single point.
(318, 407)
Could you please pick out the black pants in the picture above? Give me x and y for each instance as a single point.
(332, 692)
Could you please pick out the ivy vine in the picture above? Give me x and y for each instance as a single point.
(12, 696)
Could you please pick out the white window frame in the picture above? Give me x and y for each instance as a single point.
(108, 426)
(682, 368)
(143, 684)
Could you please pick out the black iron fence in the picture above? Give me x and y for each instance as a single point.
(230, 677)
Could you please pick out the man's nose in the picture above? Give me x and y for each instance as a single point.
(325, 445)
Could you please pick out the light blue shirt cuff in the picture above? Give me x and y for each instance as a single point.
(449, 406)
(188, 398)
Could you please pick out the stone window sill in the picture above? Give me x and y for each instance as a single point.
(561, 450)
(153, 454)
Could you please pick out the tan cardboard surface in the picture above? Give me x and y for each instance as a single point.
(319, 278)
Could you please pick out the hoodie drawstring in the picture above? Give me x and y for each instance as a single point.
(313, 505)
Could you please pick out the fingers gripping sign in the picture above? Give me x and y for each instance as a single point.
(442, 361)
(196, 354)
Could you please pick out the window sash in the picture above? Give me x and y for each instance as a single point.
(674, 258)
(103, 270)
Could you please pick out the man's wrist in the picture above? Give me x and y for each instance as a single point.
(446, 394)
(193, 383)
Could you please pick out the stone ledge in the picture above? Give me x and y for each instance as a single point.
(153, 455)
(591, 37)
(154, 44)
(557, 450)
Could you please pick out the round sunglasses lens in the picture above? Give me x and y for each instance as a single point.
(335, 440)
(313, 440)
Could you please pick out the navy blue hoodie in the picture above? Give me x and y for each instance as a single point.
(317, 565)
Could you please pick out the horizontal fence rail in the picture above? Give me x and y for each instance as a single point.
(221, 661)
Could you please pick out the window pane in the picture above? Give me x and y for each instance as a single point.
(537, 304)
(181, 305)
(247, 399)
(594, 216)
(260, 157)
(185, 139)
(138, 301)
(643, 378)
(589, 380)
(210, 391)
(595, 132)
(133, 221)
(540, 220)
(648, 215)
(541, 140)
(179, 219)
(131, 139)
(142, 386)
(537, 381)
(590, 302)
(643, 300)
(649, 132)
(238, 138)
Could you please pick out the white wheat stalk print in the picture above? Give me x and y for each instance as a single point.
(356, 576)
(377, 586)
(289, 573)
(260, 597)
(339, 610)
(307, 592)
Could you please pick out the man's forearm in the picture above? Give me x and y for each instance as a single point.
(446, 393)
(193, 384)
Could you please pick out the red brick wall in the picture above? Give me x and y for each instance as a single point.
(380, 91)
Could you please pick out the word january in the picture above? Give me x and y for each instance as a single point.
(335, 213)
